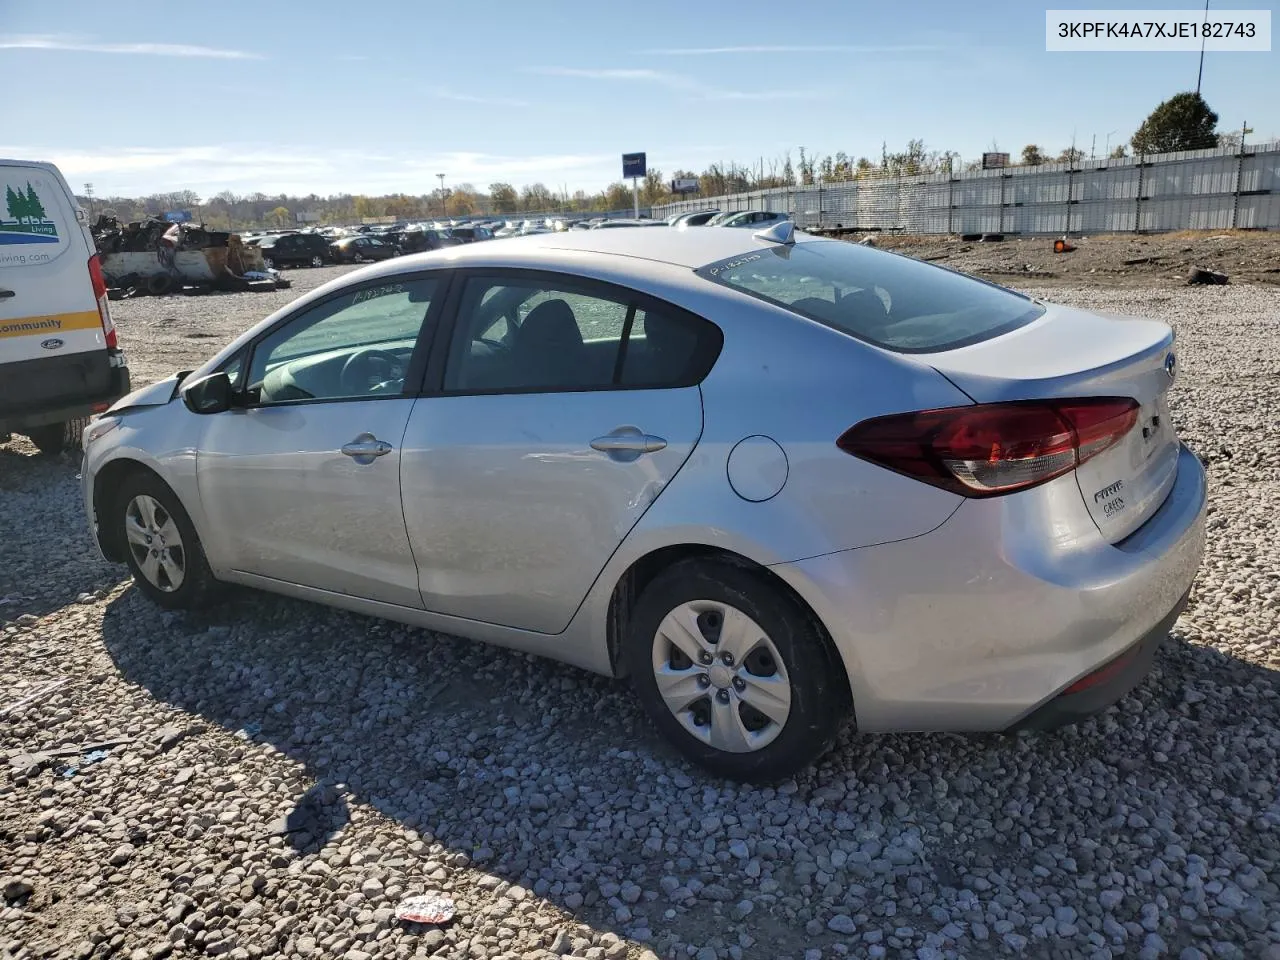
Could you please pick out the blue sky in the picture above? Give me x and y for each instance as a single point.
(381, 95)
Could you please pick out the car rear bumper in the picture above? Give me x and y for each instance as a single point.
(1102, 687)
(985, 621)
(35, 393)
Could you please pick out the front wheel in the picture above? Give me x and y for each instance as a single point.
(161, 545)
(57, 437)
(735, 672)
(317, 261)
(270, 264)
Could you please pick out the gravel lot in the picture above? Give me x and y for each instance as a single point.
(271, 778)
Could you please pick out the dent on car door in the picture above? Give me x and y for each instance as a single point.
(300, 482)
(545, 445)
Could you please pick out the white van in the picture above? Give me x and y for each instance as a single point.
(59, 360)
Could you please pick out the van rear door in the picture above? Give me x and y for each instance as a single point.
(47, 302)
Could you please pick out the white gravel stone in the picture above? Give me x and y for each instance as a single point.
(541, 800)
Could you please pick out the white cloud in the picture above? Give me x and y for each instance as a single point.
(472, 98)
(676, 82)
(81, 45)
(784, 48)
(270, 169)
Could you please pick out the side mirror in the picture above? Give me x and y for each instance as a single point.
(211, 394)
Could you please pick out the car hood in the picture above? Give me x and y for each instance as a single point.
(155, 395)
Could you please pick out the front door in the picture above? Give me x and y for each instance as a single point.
(564, 410)
(302, 484)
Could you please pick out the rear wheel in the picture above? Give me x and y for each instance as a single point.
(57, 437)
(735, 672)
(161, 546)
(269, 263)
(317, 261)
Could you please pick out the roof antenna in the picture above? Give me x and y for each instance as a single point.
(784, 231)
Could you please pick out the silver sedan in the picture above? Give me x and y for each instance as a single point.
(781, 483)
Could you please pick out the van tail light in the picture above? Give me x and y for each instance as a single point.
(100, 294)
(990, 449)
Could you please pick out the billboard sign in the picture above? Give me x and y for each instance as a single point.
(685, 185)
(994, 161)
(632, 165)
(178, 216)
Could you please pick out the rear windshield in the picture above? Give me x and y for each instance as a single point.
(889, 300)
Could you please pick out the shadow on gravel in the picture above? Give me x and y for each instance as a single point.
(551, 778)
(46, 557)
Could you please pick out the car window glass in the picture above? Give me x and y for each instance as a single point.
(354, 346)
(666, 349)
(890, 300)
(531, 335)
(563, 339)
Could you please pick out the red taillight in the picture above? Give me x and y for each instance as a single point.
(993, 448)
(100, 295)
(1102, 674)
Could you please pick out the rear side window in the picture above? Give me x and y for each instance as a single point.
(520, 334)
(889, 300)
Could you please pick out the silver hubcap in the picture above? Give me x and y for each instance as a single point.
(155, 543)
(721, 676)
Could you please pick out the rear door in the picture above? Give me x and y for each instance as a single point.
(558, 414)
(47, 306)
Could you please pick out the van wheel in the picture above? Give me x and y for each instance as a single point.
(734, 672)
(161, 545)
(57, 437)
(317, 261)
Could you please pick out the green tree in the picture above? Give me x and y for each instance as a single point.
(1183, 122)
(1117, 153)
(504, 198)
(35, 210)
(1071, 155)
(279, 216)
(1033, 156)
(16, 202)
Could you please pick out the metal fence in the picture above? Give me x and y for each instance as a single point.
(1194, 190)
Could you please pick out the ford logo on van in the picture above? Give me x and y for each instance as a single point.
(53, 343)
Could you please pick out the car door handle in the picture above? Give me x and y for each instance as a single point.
(366, 448)
(628, 443)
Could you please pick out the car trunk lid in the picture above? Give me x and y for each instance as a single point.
(1074, 353)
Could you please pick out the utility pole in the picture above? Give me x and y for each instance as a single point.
(1200, 75)
(88, 193)
(1093, 142)
(444, 204)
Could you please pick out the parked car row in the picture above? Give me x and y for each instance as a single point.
(316, 247)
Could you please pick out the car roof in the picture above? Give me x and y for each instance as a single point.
(682, 248)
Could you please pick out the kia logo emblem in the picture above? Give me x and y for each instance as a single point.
(51, 344)
(1171, 366)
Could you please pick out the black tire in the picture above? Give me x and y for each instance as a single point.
(268, 263)
(57, 437)
(159, 284)
(317, 261)
(198, 588)
(820, 701)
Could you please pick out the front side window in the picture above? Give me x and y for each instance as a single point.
(529, 334)
(354, 346)
(892, 301)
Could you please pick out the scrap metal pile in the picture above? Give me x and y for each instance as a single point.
(157, 257)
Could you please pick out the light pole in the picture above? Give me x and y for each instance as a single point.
(1200, 74)
(1108, 146)
(444, 204)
